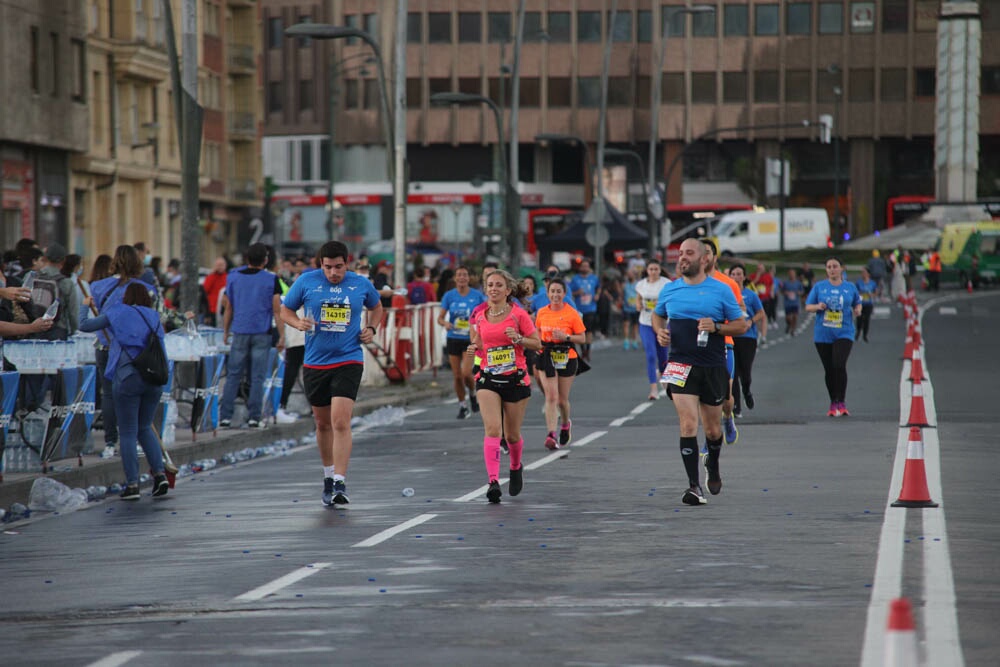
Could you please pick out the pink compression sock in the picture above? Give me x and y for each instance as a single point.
(491, 455)
(515, 449)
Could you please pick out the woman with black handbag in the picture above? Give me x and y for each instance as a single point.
(501, 332)
(137, 371)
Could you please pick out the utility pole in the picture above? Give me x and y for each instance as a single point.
(512, 199)
(399, 146)
(332, 162)
(602, 132)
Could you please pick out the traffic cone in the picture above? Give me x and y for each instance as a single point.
(916, 367)
(914, 492)
(968, 287)
(918, 415)
(900, 636)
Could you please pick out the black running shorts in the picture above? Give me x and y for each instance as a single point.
(510, 392)
(456, 347)
(323, 384)
(546, 366)
(709, 384)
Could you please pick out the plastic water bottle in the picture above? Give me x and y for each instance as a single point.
(408, 492)
(29, 282)
(50, 312)
(702, 338)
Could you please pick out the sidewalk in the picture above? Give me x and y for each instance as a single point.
(16, 487)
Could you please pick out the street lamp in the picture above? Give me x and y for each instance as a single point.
(553, 137)
(834, 70)
(654, 130)
(510, 217)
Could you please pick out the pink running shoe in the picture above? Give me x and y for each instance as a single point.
(550, 441)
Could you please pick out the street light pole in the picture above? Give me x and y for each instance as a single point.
(335, 73)
(602, 130)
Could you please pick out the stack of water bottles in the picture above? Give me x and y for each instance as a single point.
(18, 457)
(186, 344)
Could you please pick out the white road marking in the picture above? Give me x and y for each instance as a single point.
(116, 659)
(415, 411)
(948, 310)
(378, 538)
(281, 582)
(635, 412)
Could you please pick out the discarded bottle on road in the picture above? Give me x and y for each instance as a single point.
(408, 492)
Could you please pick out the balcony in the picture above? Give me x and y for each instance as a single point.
(242, 59)
(242, 126)
(243, 189)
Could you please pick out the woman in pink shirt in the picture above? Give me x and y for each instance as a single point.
(501, 332)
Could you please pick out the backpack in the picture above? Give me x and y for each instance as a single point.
(151, 362)
(418, 294)
(44, 293)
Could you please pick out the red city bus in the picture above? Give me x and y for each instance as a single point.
(899, 209)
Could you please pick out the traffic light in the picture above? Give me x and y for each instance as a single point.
(825, 128)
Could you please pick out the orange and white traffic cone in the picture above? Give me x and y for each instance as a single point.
(914, 492)
(900, 636)
(916, 367)
(918, 414)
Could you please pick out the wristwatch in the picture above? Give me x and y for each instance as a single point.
(717, 327)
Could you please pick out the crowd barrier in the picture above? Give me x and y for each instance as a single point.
(409, 341)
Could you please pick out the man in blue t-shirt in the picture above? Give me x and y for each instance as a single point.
(693, 316)
(335, 302)
(586, 290)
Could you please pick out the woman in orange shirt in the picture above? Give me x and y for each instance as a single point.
(559, 326)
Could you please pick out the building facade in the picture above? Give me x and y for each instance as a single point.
(758, 65)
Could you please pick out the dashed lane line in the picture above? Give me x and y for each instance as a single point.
(272, 587)
(380, 537)
(116, 659)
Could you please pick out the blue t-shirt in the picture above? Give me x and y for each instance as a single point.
(337, 310)
(753, 305)
(684, 305)
(540, 300)
(867, 289)
(630, 298)
(837, 321)
(587, 285)
(106, 293)
(459, 309)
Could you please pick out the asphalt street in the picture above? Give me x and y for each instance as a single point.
(597, 562)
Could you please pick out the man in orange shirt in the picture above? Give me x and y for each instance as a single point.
(729, 429)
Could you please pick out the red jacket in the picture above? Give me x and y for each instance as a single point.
(214, 282)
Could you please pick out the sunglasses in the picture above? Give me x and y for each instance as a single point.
(364, 266)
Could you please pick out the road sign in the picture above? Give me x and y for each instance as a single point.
(598, 235)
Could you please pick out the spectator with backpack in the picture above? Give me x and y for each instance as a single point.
(50, 286)
(420, 290)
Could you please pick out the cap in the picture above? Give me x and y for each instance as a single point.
(55, 253)
(383, 263)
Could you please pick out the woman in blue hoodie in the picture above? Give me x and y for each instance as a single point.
(130, 324)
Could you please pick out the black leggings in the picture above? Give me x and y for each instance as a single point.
(744, 351)
(293, 364)
(834, 357)
(864, 319)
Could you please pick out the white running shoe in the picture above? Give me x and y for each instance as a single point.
(285, 417)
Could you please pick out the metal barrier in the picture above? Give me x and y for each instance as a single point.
(409, 341)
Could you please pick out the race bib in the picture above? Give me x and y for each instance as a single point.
(586, 299)
(866, 296)
(632, 301)
(833, 318)
(334, 317)
(501, 360)
(650, 304)
(461, 326)
(560, 358)
(676, 373)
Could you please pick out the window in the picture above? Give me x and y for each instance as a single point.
(798, 20)
(352, 21)
(532, 27)
(765, 86)
(924, 82)
(498, 26)
(703, 88)
(414, 93)
(798, 85)
(703, 24)
(306, 160)
(470, 27)
(559, 92)
(470, 85)
(645, 26)
(765, 20)
(862, 85)
(622, 29)
(305, 95)
(588, 26)
(373, 98)
(159, 27)
(351, 94)
(990, 81)
(674, 21)
(831, 18)
(275, 30)
(97, 110)
(140, 20)
(827, 84)
(493, 90)
(672, 88)
(894, 16)
(531, 92)
(643, 92)
(324, 159)
(371, 26)
(35, 87)
(620, 91)
(211, 19)
(734, 87)
(735, 21)
(439, 28)
(588, 92)
(862, 18)
(274, 97)
(414, 28)
(304, 42)
(438, 85)
(559, 27)
(54, 54)
(893, 85)
(79, 90)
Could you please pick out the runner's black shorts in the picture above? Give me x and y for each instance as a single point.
(510, 392)
(323, 384)
(709, 384)
(591, 321)
(545, 365)
(456, 347)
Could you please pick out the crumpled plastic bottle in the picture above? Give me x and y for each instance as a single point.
(49, 495)
(408, 492)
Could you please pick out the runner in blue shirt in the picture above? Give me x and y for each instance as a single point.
(745, 345)
(833, 301)
(586, 290)
(457, 305)
(791, 291)
(867, 288)
(693, 316)
(335, 301)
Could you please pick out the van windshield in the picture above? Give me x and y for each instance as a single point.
(727, 228)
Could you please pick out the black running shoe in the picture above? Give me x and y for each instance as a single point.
(714, 478)
(564, 433)
(748, 398)
(503, 446)
(463, 412)
(516, 481)
(493, 493)
(160, 485)
(340, 493)
(131, 492)
(694, 496)
(328, 491)
(474, 403)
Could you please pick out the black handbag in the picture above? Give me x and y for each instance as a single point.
(151, 362)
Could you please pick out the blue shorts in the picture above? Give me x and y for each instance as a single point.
(730, 361)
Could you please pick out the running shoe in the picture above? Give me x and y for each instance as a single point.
(842, 410)
(714, 478)
(503, 446)
(694, 496)
(564, 433)
(257, 423)
(493, 493)
(225, 423)
(550, 441)
(130, 492)
(834, 410)
(730, 430)
(328, 491)
(160, 485)
(474, 403)
(737, 413)
(463, 412)
(516, 481)
(340, 493)
(285, 417)
(748, 398)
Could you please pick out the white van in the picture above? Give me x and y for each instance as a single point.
(757, 231)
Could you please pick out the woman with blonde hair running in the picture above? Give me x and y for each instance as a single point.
(501, 332)
(559, 328)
